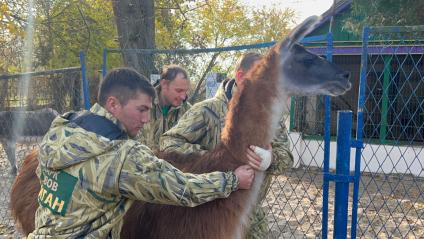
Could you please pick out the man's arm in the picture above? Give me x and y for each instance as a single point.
(186, 135)
(145, 177)
(282, 157)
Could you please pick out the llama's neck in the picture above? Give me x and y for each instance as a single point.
(255, 110)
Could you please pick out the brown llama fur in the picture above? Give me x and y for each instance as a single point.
(253, 114)
(23, 199)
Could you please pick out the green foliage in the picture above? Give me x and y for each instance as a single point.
(11, 31)
(217, 23)
(384, 13)
(212, 24)
(64, 27)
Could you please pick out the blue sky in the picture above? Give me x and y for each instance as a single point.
(303, 8)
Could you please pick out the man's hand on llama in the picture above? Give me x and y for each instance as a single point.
(259, 158)
(245, 175)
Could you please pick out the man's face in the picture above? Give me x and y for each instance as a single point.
(174, 92)
(134, 114)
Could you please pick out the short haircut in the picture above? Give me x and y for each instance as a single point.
(246, 61)
(124, 84)
(169, 72)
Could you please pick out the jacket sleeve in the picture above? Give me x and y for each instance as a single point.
(186, 135)
(147, 178)
(282, 157)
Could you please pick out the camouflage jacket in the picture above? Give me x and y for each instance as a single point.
(159, 124)
(199, 130)
(90, 173)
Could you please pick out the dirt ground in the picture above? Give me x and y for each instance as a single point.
(390, 206)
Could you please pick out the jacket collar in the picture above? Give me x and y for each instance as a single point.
(226, 90)
(99, 110)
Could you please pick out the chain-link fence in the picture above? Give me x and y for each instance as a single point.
(199, 63)
(392, 194)
(25, 116)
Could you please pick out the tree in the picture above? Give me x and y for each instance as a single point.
(135, 21)
(384, 13)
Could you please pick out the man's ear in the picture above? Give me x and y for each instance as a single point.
(239, 75)
(163, 83)
(113, 105)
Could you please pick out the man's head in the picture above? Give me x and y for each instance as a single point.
(174, 84)
(128, 96)
(244, 63)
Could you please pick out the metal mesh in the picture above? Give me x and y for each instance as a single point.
(199, 67)
(392, 194)
(59, 90)
(294, 200)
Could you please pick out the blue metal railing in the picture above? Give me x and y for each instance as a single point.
(342, 176)
(359, 127)
(327, 136)
(342, 179)
(201, 50)
(86, 92)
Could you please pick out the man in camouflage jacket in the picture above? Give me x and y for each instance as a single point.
(91, 171)
(168, 107)
(199, 130)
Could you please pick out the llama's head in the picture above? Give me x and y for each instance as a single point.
(304, 73)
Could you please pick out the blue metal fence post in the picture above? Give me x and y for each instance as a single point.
(359, 128)
(104, 65)
(84, 81)
(327, 128)
(344, 127)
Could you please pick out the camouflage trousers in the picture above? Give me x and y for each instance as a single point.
(258, 221)
(258, 224)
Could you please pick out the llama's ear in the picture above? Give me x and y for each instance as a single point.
(298, 33)
(306, 27)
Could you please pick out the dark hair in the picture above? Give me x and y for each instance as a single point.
(246, 61)
(124, 84)
(169, 72)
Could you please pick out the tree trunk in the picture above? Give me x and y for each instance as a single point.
(135, 21)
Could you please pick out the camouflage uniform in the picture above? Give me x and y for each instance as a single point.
(89, 180)
(159, 123)
(199, 130)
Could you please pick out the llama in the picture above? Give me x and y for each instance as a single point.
(287, 70)
(34, 125)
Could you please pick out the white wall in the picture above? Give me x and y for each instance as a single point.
(375, 158)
